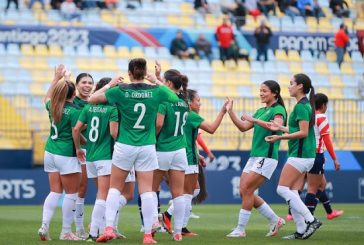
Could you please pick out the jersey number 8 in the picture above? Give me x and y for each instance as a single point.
(93, 135)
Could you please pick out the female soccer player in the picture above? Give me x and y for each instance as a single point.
(301, 154)
(138, 104)
(84, 86)
(102, 129)
(316, 181)
(193, 123)
(171, 145)
(263, 156)
(60, 161)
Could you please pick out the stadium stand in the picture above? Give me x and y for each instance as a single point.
(26, 69)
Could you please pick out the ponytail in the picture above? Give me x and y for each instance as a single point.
(313, 106)
(184, 85)
(303, 79)
(62, 91)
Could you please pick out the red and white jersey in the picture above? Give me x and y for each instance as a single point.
(322, 128)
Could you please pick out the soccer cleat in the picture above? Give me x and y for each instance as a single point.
(167, 223)
(186, 232)
(289, 217)
(108, 235)
(335, 214)
(194, 216)
(177, 237)
(118, 234)
(156, 227)
(43, 233)
(82, 234)
(311, 228)
(274, 227)
(148, 239)
(91, 239)
(69, 236)
(293, 236)
(236, 233)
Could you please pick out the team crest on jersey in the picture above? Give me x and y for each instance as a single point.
(127, 95)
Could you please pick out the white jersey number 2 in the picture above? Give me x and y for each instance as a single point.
(141, 116)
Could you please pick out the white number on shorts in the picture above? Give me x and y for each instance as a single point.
(178, 115)
(140, 118)
(94, 131)
(55, 136)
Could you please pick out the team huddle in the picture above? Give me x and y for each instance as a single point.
(146, 131)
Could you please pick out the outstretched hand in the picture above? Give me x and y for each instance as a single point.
(272, 138)
(229, 104)
(116, 80)
(59, 72)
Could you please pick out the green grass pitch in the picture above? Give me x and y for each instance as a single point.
(19, 225)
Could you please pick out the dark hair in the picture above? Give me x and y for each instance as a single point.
(138, 68)
(320, 100)
(303, 79)
(191, 94)
(179, 80)
(276, 89)
(71, 89)
(82, 75)
(103, 81)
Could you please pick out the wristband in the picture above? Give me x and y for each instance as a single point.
(107, 86)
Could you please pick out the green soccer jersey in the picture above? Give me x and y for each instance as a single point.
(81, 103)
(99, 141)
(60, 140)
(306, 147)
(138, 104)
(171, 136)
(261, 148)
(191, 132)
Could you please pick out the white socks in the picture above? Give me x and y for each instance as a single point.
(188, 208)
(97, 217)
(122, 203)
(50, 205)
(155, 206)
(295, 202)
(170, 209)
(179, 213)
(148, 210)
(196, 192)
(298, 218)
(266, 211)
(67, 211)
(244, 216)
(112, 206)
(79, 213)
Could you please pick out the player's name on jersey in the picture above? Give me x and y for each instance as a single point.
(180, 104)
(145, 94)
(97, 109)
(66, 111)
